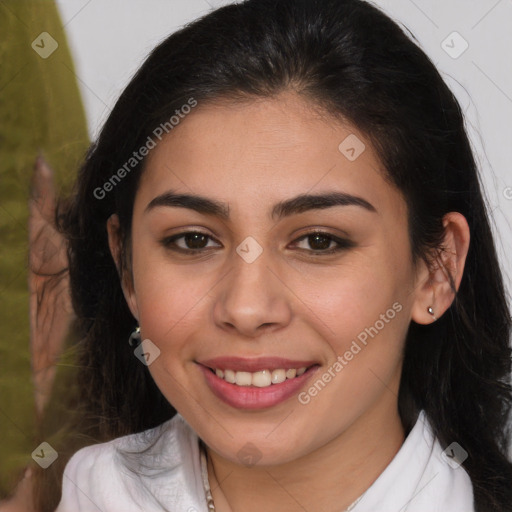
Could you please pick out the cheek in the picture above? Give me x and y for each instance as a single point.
(357, 301)
(169, 309)
(364, 318)
(172, 308)
(170, 299)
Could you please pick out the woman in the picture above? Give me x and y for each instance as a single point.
(280, 236)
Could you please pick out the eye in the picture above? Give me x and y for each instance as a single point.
(189, 242)
(323, 243)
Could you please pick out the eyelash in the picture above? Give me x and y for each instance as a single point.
(343, 244)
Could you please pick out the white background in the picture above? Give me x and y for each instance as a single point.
(110, 38)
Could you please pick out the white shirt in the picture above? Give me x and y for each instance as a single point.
(167, 476)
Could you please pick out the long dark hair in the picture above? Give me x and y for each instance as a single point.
(349, 58)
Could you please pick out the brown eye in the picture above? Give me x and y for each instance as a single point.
(190, 242)
(322, 243)
(319, 241)
(195, 240)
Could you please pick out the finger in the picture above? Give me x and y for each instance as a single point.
(42, 190)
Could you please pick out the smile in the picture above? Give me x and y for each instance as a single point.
(256, 383)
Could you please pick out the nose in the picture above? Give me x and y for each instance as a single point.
(252, 299)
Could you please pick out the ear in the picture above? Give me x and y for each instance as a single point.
(125, 277)
(433, 286)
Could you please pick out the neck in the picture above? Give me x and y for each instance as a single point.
(329, 479)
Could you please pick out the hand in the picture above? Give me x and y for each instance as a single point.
(48, 279)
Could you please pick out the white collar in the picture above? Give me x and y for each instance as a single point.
(160, 469)
(419, 479)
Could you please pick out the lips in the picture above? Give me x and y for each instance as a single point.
(258, 382)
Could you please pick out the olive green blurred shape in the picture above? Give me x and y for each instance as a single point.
(40, 110)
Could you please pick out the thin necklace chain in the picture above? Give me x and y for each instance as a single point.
(206, 483)
(208, 491)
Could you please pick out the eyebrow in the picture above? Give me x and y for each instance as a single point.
(294, 205)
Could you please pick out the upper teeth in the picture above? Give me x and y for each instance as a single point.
(259, 379)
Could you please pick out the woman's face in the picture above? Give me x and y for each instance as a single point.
(257, 293)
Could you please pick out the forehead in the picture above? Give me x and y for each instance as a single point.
(262, 151)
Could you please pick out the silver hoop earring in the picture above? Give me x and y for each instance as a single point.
(134, 339)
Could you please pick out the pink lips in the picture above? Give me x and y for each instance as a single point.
(252, 397)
